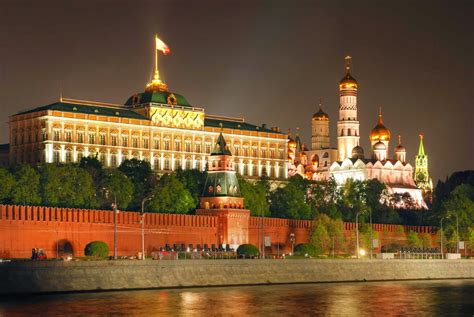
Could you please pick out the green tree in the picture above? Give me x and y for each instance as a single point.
(193, 180)
(142, 177)
(116, 185)
(413, 240)
(7, 183)
(320, 237)
(170, 196)
(26, 189)
(66, 186)
(254, 197)
(290, 201)
(426, 240)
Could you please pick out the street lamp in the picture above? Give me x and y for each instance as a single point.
(114, 207)
(371, 235)
(441, 238)
(457, 233)
(357, 234)
(142, 220)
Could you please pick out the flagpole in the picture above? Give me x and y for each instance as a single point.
(156, 60)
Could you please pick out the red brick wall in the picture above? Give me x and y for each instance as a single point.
(25, 227)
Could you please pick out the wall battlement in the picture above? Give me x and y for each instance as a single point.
(58, 230)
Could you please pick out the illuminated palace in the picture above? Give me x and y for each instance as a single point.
(156, 125)
(348, 160)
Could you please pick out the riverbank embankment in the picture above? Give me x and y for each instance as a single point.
(79, 276)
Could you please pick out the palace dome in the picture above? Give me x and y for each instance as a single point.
(380, 132)
(161, 97)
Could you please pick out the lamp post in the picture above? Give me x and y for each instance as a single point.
(441, 238)
(371, 235)
(357, 234)
(142, 220)
(457, 233)
(114, 207)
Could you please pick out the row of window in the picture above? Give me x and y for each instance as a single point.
(167, 163)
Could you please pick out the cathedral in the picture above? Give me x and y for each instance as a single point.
(349, 162)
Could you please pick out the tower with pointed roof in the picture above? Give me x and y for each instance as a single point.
(348, 124)
(320, 129)
(221, 197)
(422, 177)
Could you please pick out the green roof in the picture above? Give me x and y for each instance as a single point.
(156, 97)
(216, 123)
(89, 109)
(220, 148)
(221, 184)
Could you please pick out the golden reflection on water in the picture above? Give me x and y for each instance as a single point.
(420, 298)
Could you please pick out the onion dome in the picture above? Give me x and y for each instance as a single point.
(291, 143)
(348, 81)
(320, 115)
(358, 152)
(380, 146)
(380, 132)
(400, 148)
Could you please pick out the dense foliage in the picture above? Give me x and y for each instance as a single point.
(97, 249)
(306, 249)
(247, 250)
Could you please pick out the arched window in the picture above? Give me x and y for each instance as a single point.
(167, 164)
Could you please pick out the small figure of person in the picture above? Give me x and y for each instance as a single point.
(33, 254)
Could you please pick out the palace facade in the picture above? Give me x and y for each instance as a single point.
(155, 125)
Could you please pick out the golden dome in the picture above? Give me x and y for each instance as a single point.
(291, 143)
(380, 132)
(348, 81)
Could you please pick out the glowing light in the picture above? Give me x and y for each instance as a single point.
(362, 252)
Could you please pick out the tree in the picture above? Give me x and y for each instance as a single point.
(193, 180)
(66, 186)
(142, 177)
(116, 185)
(426, 240)
(413, 240)
(290, 201)
(320, 237)
(7, 183)
(254, 197)
(26, 189)
(170, 196)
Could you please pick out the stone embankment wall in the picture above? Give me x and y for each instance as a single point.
(38, 277)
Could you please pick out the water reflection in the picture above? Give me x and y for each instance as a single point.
(349, 299)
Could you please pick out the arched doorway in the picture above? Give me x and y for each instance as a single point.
(64, 248)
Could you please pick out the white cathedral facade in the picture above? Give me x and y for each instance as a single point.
(348, 160)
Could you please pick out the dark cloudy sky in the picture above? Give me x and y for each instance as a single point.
(267, 61)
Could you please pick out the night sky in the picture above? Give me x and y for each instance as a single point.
(268, 61)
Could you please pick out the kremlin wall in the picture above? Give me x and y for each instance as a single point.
(61, 231)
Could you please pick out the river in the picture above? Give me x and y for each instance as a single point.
(417, 298)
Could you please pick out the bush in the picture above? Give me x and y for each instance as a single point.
(97, 249)
(306, 248)
(247, 250)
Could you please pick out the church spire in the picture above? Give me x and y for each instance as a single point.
(421, 149)
(422, 177)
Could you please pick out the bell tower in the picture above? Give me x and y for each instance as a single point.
(348, 125)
